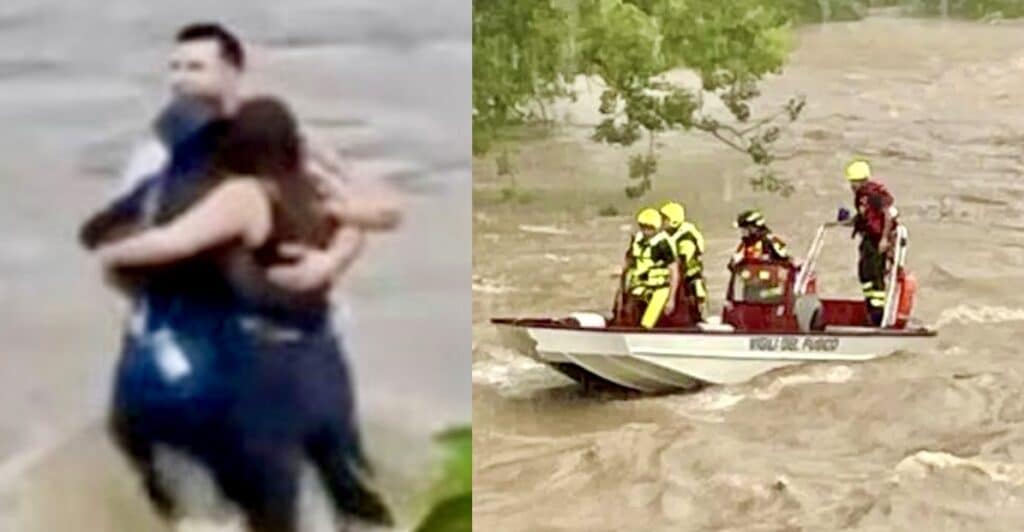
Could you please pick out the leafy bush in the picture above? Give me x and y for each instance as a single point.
(450, 500)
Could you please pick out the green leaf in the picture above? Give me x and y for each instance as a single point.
(525, 51)
(450, 498)
(458, 468)
(503, 163)
(454, 514)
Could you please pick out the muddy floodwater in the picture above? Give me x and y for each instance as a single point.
(924, 440)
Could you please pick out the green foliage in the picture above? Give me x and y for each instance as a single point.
(519, 55)
(972, 9)
(524, 50)
(732, 45)
(506, 168)
(451, 497)
(810, 11)
(504, 165)
(768, 181)
(641, 167)
(516, 194)
(454, 514)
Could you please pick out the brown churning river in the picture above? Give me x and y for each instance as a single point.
(929, 440)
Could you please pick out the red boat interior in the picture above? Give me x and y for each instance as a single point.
(760, 298)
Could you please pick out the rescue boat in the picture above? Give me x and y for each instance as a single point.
(772, 318)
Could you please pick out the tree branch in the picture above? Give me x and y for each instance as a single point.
(716, 134)
(763, 121)
(730, 129)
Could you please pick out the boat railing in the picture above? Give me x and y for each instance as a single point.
(810, 262)
(892, 287)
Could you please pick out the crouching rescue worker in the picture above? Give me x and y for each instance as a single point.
(688, 246)
(757, 241)
(759, 244)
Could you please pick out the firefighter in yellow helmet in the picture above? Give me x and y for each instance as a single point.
(876, 220)
(652, 277)
(688, 246)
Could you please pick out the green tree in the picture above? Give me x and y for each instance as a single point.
(519, 59)
(524, 51)
(520, 54)
(732, 45)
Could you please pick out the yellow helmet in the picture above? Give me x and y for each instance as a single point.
(674, 213)
(858, 171)
(649, 217)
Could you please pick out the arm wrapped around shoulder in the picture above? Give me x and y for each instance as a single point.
(122, 217)
(369, 204)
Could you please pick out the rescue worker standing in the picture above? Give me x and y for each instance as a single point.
(653, 274)
(688, 246)
(875, 221)
(626, 308)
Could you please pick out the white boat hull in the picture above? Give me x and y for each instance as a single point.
(662, 361)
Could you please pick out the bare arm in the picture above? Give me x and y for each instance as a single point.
(372, 207)
(235, 210)
(317, 269)
(358, 207)
(321, 160)
(346, 246)
(119, 217)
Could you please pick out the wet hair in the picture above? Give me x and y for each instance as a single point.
(230, 47)
(263, 141)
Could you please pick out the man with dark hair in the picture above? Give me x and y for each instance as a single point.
(230, 47)
(208, 63)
